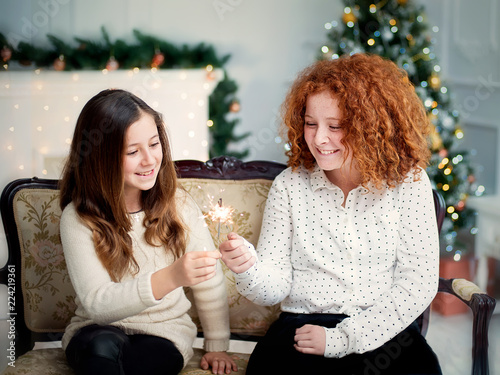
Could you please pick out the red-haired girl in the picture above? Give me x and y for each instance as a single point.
(349, 241)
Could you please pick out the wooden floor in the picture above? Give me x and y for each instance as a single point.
(450, 337)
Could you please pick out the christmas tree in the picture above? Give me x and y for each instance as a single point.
(397, 30)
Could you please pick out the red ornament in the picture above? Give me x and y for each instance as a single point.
(112, 64)
(211, 75)
(6, 53)
(235, 107)
(59, 63)
(158, 60)
(443, 153)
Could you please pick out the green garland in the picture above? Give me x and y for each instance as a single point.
(148, 51)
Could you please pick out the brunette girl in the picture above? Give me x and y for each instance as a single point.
(132, 240)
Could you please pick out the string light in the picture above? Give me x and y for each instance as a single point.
(49, 148)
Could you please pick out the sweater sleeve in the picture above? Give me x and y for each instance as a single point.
(210, 296)
(104, 300)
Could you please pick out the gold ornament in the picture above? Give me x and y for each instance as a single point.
(402, 2)
(434, 81)
(349, 17)
(436, 140)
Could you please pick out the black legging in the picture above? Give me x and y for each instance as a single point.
(407, 353)
(108, 350)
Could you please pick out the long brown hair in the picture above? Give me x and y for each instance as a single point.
(384, 122)
(93, 180)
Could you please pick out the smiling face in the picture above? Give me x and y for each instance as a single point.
(323, 135)
(141, 160)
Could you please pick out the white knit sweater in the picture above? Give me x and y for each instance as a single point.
(130, 304)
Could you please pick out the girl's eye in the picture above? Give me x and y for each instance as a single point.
(310, 124)
(132, 153)
(155, 144)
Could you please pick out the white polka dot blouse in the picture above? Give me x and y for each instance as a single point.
(375, 260)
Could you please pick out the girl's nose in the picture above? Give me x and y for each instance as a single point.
(321, 136)
(148, 157)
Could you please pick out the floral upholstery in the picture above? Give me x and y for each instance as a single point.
(50, 298)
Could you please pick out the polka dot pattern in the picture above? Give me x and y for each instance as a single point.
(376, 259)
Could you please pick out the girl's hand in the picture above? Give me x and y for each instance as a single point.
(310, 339)
(190, 269)
(220, 362)
(236, 254)
(195, 267)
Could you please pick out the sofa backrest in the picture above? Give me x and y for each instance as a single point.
(44, 296)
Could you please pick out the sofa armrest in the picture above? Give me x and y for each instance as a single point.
(482, 306)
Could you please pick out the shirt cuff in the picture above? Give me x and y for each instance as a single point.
(216, 345)
(337, 343)
(248, 274)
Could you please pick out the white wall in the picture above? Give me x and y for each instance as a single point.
(469, 51)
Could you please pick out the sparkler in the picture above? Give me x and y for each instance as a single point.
(220, 213)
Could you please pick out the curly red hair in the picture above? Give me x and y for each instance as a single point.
(384, 121)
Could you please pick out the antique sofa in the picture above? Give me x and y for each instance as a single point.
(41, 297)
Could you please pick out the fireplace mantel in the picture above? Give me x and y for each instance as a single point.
(39, 111)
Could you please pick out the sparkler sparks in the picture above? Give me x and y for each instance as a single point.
(220, 213)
